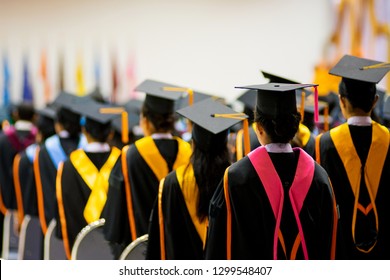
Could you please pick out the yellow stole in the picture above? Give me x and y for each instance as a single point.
(186, 178)
(342, 140)
(96, 180)
(304, 134)
(150, 153)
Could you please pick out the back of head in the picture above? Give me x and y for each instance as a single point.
(360, 94)
(25, 111)
(69, 120)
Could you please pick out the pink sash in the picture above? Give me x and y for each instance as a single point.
(265, 169)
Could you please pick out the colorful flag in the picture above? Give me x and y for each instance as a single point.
(80, 84)
(45, 79)
(61, 73)
(7, 80)
(115, 81)
(27, 90)
(97, 73)
(131, 77)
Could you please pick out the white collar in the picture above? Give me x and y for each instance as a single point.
(23, 125)
(63, 134)
(96, 147)
(279, 148)
(162, 135)
(360, 121)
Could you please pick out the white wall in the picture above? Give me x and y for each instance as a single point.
(208, 45)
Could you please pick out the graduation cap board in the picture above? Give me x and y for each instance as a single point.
(274, 99)
(211, 122)
(360, 69)
(277, 79)
(133, 109)
(158, 96)
(104, 114)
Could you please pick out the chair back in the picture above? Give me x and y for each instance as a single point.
(30, 239)
(90, 243)
(136, 250)
(53, 246)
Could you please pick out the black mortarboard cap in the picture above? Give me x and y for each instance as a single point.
(274, 99)
(47, 112)
(360, 69)
(277, 79)
(133, 108)
(157, 98)
(92, 110)
(69, 101)
(211, 121)
(249, 98)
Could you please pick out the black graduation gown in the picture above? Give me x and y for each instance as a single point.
(182, 240)
(25, 176)
(47, 174)
(75, 193)
(8, 151)
(363, 140)
(143, 186)
(253, 220)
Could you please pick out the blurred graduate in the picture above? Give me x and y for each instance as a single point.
(82, 179)
(275, 203)
(356, 157)
(134, 181)
(178, 228)
(56, 149)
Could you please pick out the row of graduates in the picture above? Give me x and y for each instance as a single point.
(274, 203)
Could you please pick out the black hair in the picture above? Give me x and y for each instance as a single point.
(360, 94)
(98, 131)
(161, 122)
(46, 126)
(70, 121)
(281, 129)
(25, 111)
(209, 169)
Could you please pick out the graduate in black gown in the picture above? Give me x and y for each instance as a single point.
(134, 181)
(275, 203)
(14, 139)
(356, 156)
(304, 138)
(178, 228)
(24, 182)
(56, 148)
(23, 165)
(82, 179)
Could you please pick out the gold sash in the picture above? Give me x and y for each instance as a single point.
(96, 180)
(150, 153)
(342, 140)
(190, 192)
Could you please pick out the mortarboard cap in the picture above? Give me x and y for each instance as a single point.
(47, 112)
(360, 69)
(70, 101)
(104, 114)
(157, 98)
(274, 99)
(277, 79)
(133, 109)
(211, 121)
(248, 98)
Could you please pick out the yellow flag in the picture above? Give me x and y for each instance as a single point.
(80, 85)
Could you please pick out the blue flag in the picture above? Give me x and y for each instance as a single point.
(27, 90)
(6, 80)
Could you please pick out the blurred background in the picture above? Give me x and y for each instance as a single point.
(207, 45)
